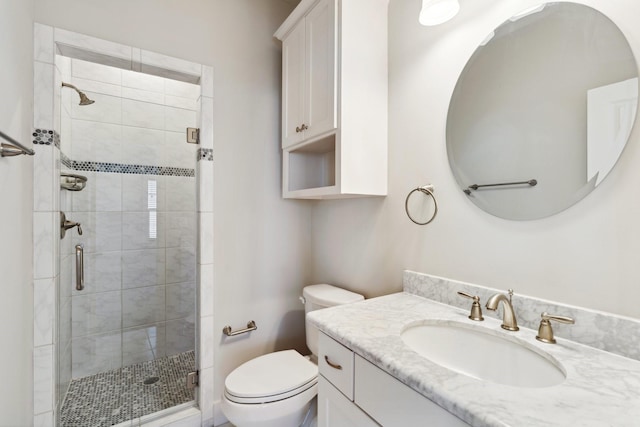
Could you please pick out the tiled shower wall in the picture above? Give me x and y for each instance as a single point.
(139, 227)
(49, 383)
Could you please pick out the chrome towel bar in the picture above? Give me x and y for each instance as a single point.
(251, 326)
(531, 182)
(13, 149)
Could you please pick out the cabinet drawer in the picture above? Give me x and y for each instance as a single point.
(335, 363)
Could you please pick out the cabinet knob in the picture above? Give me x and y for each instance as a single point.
(298, 130)
(304, 127)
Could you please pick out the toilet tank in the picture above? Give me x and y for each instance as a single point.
(316, 297)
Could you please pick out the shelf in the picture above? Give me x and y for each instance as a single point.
(311, 166)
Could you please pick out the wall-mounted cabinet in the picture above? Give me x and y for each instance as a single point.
(334, 99)
(308, 76)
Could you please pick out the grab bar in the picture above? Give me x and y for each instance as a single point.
(13, 149)
(79, 267)
(531, 182)
(251, 326)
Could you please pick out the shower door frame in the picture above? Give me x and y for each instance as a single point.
(49, 41)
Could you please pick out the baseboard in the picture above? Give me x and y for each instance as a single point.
(218, 416)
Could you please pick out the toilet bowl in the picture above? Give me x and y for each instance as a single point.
(271, 390)
(277, 389)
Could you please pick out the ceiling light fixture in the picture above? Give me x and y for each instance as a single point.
(435, 12)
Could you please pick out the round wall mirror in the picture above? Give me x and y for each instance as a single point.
(542, 111)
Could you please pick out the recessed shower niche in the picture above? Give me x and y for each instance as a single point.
(125, 341)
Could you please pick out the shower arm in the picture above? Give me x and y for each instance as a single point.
(84, 99)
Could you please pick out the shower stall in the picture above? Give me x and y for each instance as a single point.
(131, 242)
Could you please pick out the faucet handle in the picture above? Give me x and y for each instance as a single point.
(476, 310)
(545, 332)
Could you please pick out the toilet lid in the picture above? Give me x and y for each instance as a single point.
(272, 374)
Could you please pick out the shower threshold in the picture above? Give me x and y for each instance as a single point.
(112, 397)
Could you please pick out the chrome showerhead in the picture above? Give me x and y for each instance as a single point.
(84, 99)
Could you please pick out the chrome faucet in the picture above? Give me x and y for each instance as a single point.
(508, 316)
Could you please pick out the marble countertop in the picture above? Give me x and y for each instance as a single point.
(600, 389)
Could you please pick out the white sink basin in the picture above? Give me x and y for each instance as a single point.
(481, 355)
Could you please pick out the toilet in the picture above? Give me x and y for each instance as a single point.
(277, 389)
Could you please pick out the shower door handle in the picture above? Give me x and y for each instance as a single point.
(79, 267)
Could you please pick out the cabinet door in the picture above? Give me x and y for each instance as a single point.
(293, 84)
(393, 404)
(320, 87)
(334, 409)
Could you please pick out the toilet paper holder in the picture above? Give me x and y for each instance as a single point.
(251, 326)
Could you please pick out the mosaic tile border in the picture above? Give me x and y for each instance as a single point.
(46, 137)
(51, 137)
(125, 168)
(131, 169)
(205, 154)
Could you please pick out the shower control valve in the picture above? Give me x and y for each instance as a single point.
(66, 225)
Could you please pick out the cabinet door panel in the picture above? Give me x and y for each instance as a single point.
(393, 404)
(335, 410)
(320, 87)
(293, 84)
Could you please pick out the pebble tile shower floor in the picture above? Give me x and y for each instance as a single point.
(112, 397)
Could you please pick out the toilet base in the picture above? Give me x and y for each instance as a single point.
(311, 419)
(291, 412)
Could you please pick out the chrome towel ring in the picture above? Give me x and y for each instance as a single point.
(427, 190)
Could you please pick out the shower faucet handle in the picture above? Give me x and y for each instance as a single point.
(476, 310)
(66, 225)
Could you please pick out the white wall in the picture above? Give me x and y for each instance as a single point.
(16, 206)
(262, 243)
(586, 255)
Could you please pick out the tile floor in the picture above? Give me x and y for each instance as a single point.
(115, 396)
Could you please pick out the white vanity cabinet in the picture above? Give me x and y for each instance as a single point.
(334, 99)
(355, 393)
(336, 387)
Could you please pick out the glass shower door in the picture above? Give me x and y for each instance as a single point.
(127, 340)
